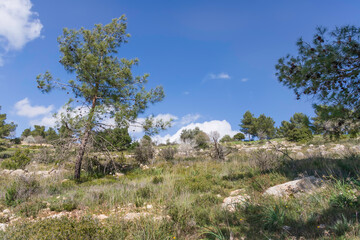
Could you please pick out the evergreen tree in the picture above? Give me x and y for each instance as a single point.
(247, 125)
(5, 128)
(103, 83)
(328, 68)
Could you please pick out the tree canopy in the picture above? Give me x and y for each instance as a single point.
(104, 86)
(261, 127)
(327, 69)
(6, 128)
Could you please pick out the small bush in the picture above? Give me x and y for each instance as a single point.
(239, 137)
(226, 138)
(157, 180)
(66, 205)
(19, 160)
(274, 218)
(168, 153)
(144, 192)
(341, 226)
(264, 160)
(144, 152)
(31, 209)
(21, 190)
(299, 135)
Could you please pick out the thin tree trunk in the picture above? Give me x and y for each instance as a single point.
(84, 141)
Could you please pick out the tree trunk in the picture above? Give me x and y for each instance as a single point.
(80, 155)
(84, 141)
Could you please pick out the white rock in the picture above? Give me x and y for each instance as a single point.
(119, 174)
(233, 202)
(134, 216)
(303, 185)
(300, 155)
(237, 192)
(18, 172)
(59, 215)
(3, 226)
(102, 217)
(6, 211)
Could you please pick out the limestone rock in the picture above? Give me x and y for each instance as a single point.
(237, 198)
(3, 226)
(134, 216)
(303, 185)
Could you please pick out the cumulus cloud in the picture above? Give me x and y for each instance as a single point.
(189, 118)
(18, 25)
(222, 127)
(24, 108)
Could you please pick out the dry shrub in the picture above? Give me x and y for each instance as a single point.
(168, 153)
(145, 151)
(264, 160)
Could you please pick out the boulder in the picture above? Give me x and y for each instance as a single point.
(296, 187)
(18, 172)
(101, 217)
(237, 198)
(3, 226)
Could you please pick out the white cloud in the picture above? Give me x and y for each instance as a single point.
(244, 79)
(186, 93)
(189, 118)
(18, 25)
(219, 76)
(24, 108)
(223, 127)
(47, 121)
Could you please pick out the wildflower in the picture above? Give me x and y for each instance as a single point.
(174, 237)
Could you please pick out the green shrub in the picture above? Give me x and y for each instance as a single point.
(239, 137)
(157, 180)
(11, 196)
(226, 138)
(21, 190)
(341, 226)
(299, 135)
(274, 218)
(19, 160)
(144, 152)
(66, 205)
(144, 192)
(31, 209)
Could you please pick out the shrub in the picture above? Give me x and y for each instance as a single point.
(21, 190)
(226, 138)
(157, 180)
(31, 209)
(168, 153)
(299, 135)
(274, 218)
(264, 160)
(144, 192)
(202, 140)
(144, 152)
(66, 205)
(341, 226)
(19, 160)
(239, 137)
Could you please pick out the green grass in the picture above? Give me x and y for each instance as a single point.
(190, 193)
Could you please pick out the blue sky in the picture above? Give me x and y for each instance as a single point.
(215, 59)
